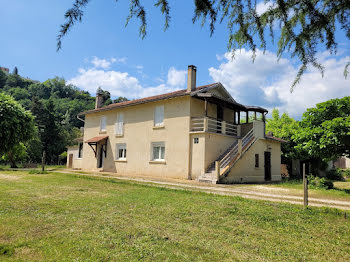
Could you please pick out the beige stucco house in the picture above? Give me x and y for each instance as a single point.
(200, 133)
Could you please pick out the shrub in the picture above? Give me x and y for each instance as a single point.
(346, 172)
(321, 183)
(335, 174)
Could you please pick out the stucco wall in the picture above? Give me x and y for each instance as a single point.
(77, 162)
(244, 171)
(139, 133)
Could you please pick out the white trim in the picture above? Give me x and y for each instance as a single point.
(161, 152)
(103, 119)
(121, 146)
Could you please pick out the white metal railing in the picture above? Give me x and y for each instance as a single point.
(208, 124)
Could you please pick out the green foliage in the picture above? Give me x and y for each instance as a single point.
(303, 25)
(3, 78)
(325, 130)
(284, 127)
(16, 124)
(346, 173)
(335, 174)
(18, 153)
(321, 183)
(120, 99)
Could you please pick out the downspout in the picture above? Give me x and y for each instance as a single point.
(80, 119)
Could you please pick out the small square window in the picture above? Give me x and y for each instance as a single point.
(256, 160)
(120, 152)
(158, 151)
(196, 140)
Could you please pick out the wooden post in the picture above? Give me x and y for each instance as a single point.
(239, 118)
(43, 160)
(254, 115)
(205, 124)
(247, 117)
(305, 187)
(234, 117)
(206, 107)
(223, 127)
(217, 170)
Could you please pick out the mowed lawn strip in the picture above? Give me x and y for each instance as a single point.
(55, 217)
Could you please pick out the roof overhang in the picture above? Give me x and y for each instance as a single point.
(98, 140)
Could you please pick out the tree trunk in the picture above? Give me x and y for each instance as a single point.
(12, 160)
(43, 161)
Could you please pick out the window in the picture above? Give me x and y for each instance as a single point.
(158, 151)
(256, 160)
(119, 125)
(103, 124)
(120, 152)
(159, 116)
(196, 140)
(80, 153)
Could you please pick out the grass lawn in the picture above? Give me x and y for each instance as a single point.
(341, 189)
(56, 217)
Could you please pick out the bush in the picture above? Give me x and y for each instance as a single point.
(345, 172)
(321, 183)
(335, 174)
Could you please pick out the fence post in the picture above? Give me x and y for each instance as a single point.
(239, 130)
(217, 170)
(305, 187)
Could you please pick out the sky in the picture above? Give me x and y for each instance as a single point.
(101, 51)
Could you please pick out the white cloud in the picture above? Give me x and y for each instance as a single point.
(106, 63)
(263, 6)
(267, 82)
(176, 77)
(123, 84)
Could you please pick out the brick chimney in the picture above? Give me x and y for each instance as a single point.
(191, 78)
(99, 98)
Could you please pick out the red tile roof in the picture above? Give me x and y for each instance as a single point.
(146, 100)
(96, 139)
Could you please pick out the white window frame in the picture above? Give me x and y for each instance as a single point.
(120, 146)
(159, 116)
(160, 145)
(119, 125)
(103, 119)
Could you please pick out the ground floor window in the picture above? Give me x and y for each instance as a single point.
(121, 152)
(158, 151)
(256, 160)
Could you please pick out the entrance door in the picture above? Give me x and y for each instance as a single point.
(219, 117)
(70, 161)
(267, 165)
(100, 158)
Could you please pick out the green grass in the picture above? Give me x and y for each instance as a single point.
(341, 189)
(63, 217)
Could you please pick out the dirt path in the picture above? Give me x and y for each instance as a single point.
(230, 190)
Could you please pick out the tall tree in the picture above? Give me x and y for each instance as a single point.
(325, 130)
(304, 24)
(284, 127)
(16, 126)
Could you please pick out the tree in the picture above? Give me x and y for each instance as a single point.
(284, 127)
(325, 130)
(16, 125)
(3, 78)
(120, 99)
(15, 71)
(304, 24)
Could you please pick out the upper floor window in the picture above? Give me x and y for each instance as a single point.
(119, 125)
(159, 116)
(103, 124)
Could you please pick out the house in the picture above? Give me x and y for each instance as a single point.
(75, 154)
(200, 133)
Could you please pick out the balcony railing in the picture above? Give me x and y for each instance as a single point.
(208, 124)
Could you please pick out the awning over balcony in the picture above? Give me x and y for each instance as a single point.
(98, 140)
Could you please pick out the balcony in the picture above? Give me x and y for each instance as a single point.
(208, 124)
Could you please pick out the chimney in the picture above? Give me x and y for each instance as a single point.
(99, 98)
(191, 78)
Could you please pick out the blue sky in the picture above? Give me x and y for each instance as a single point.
(101, 51)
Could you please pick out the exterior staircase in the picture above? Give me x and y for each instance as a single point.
(228, 159)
